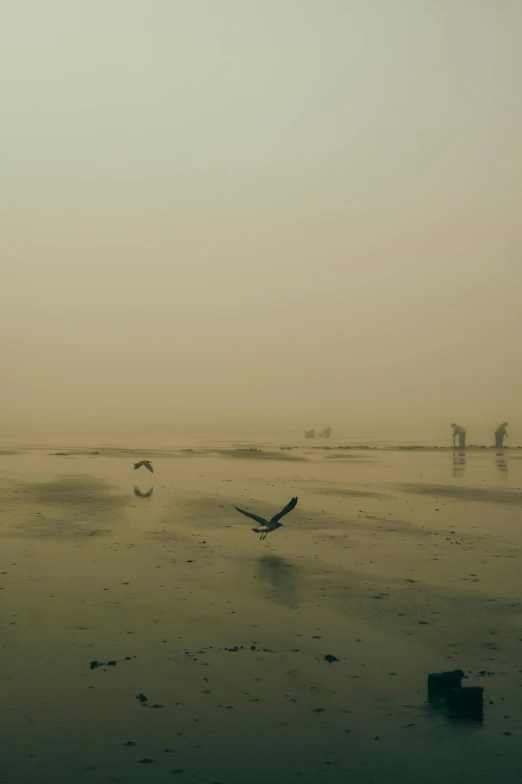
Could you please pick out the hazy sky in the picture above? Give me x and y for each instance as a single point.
(261, 211)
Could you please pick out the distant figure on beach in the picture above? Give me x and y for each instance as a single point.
(327, 432)
(310, 434)
(500, 433)
(461, 433)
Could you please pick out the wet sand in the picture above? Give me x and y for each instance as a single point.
(396, 562)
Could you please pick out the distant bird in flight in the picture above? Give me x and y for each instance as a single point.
(145, 463)
(269, 525)
(138, 492)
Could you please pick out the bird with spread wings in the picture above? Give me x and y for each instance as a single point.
(269, 525)
(145, 463)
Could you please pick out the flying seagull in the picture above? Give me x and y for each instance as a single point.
(271, 525)
(145, 463)
(138, 492)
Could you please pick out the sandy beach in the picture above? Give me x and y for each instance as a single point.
(150, 635)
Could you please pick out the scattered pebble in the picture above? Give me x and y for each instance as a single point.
(94, 664)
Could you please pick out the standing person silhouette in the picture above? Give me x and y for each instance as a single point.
(461, 433)
(500, 433)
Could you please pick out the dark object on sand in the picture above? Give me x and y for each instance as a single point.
(95, 664)
(327, 432)
(273, 524)
(467, 702)
(141, 697)
(330, 659)
(445, 691)
(440, 684)
(310, 434)
(145, 463)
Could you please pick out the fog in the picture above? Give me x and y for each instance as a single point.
(261, 212)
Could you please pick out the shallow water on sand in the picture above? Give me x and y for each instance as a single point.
(397, 563)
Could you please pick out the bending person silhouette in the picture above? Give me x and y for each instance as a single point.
(461, 433)
(500, 433)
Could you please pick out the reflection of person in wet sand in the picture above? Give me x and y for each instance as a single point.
(501, 463)
(459, 463)
(461, 433)
(500, 434)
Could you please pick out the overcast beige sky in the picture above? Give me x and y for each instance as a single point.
(261, 211)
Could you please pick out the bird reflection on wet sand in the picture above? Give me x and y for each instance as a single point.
(280, 574)
(138, 492)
